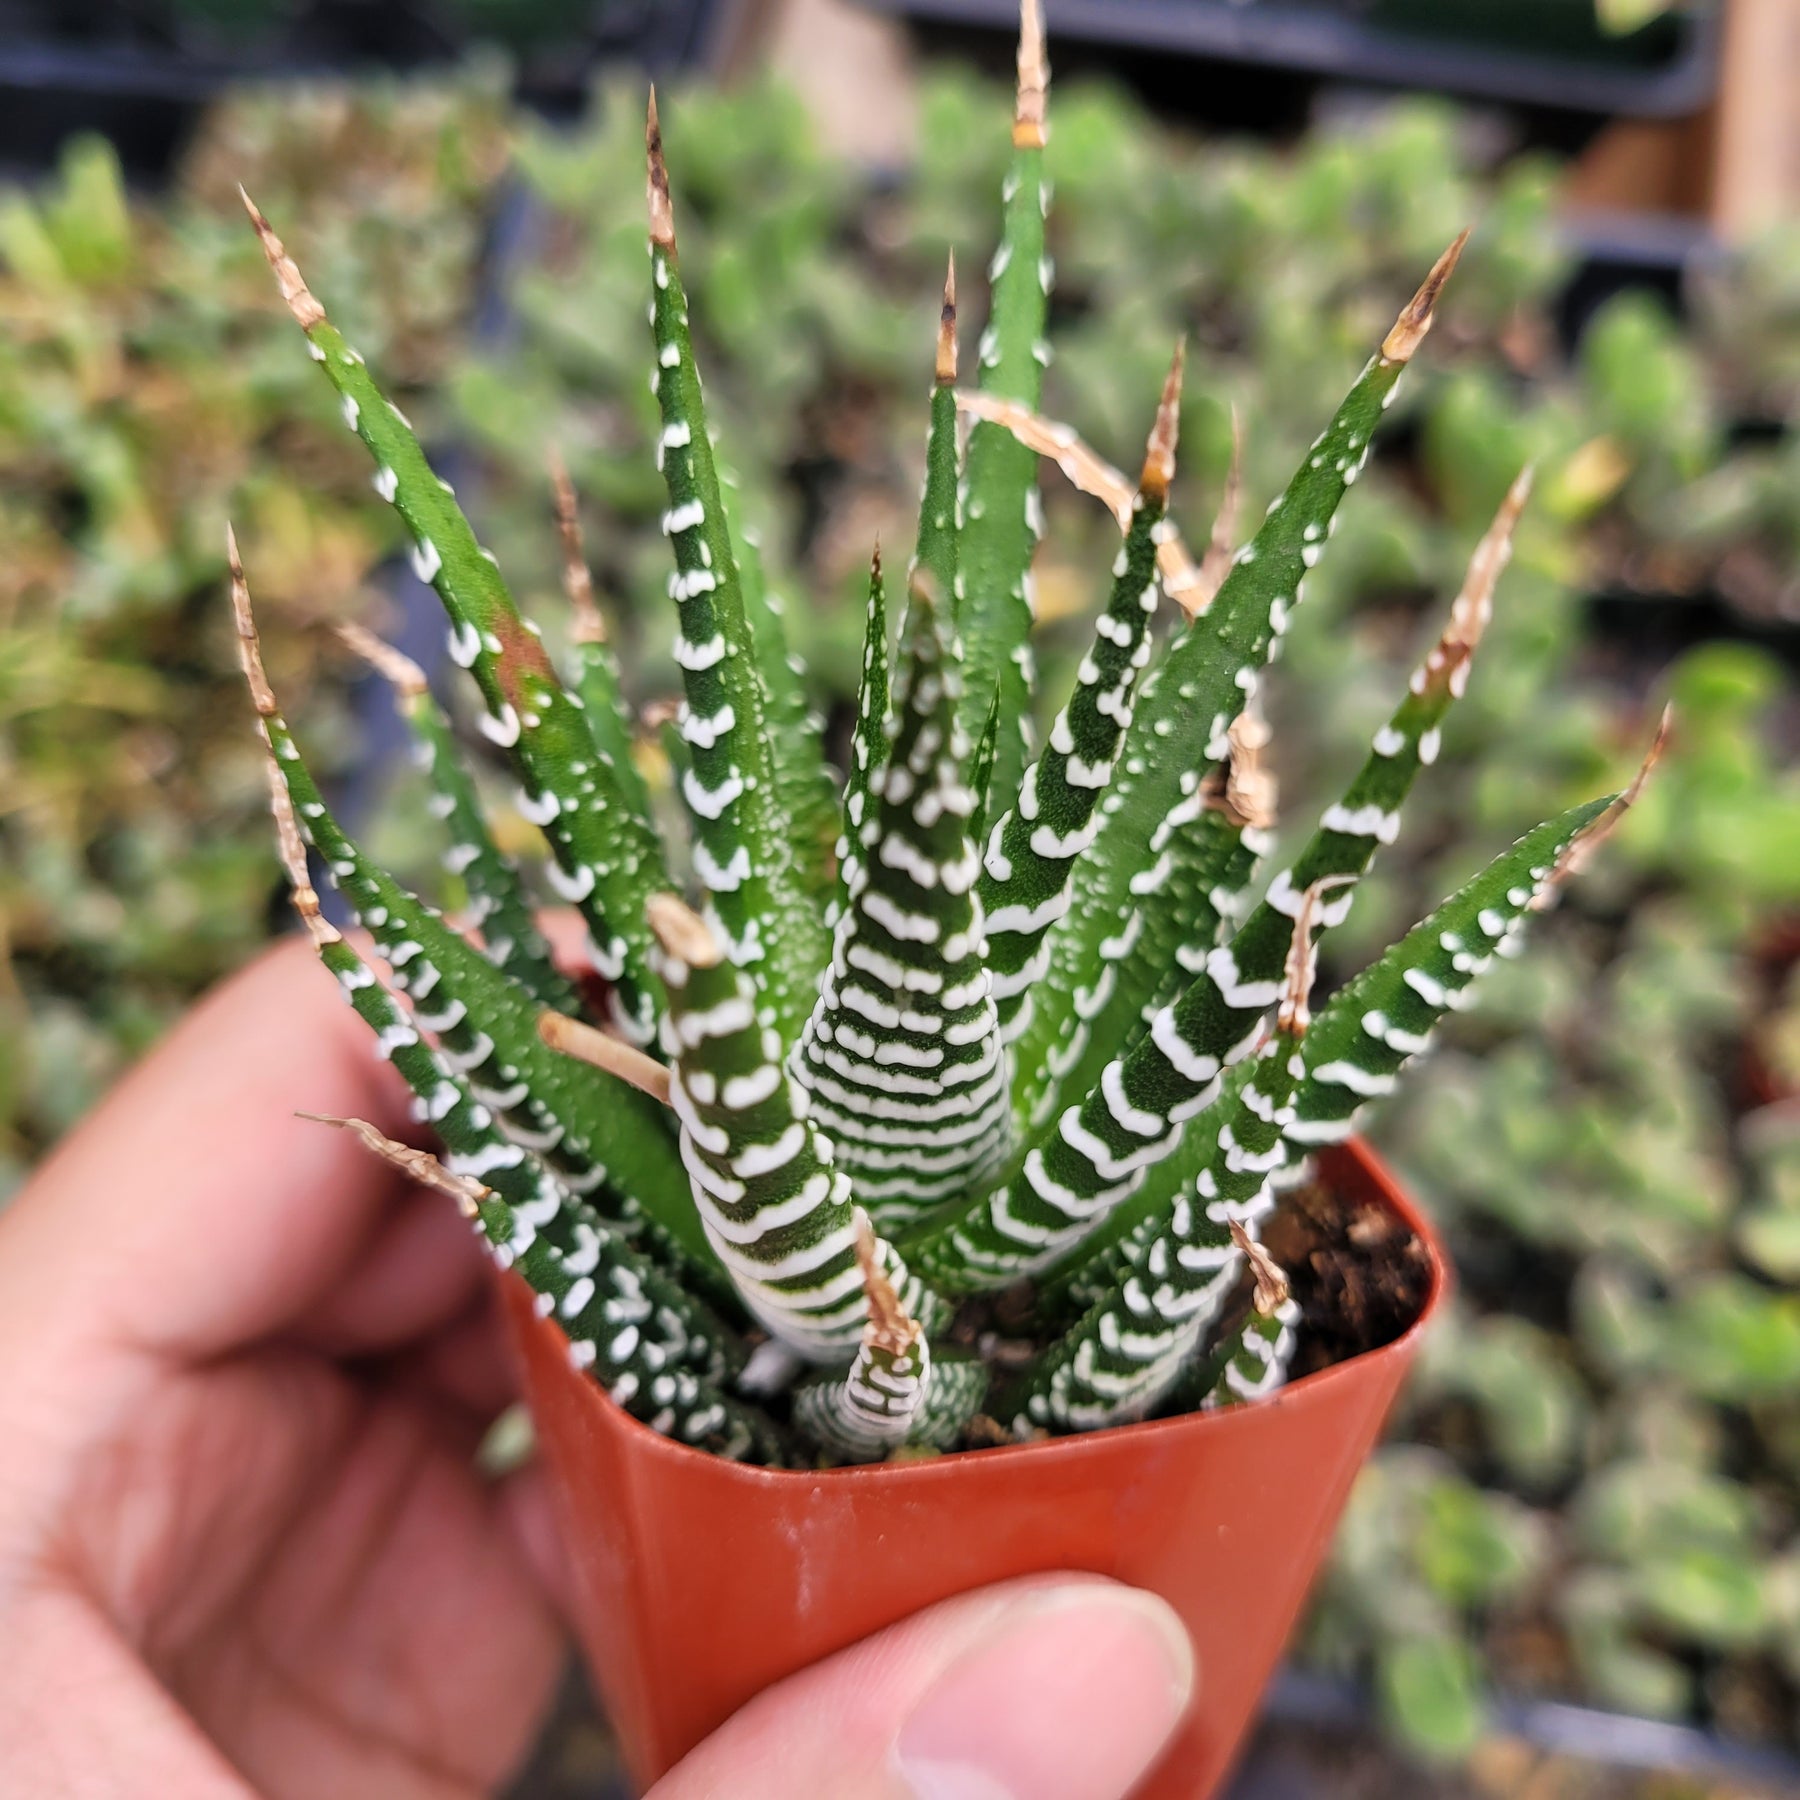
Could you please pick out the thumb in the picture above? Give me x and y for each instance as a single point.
(1054, 1688)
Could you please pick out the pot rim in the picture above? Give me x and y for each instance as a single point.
(933, 1470)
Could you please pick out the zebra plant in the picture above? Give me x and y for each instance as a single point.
(1002, 1014)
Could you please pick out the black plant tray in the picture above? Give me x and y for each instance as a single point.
(1513, 52)
(137, 71)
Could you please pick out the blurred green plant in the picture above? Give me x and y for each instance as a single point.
(1619, 1169)
(143, 392)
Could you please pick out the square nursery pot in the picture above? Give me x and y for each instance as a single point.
(700, 1582)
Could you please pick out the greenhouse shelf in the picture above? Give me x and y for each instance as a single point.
(1353, 45)
(140, 82)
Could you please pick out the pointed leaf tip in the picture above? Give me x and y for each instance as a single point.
(890, 1327)
(1159, 455)
(946, 342)
(262, 696)
(419, 1165)
(1470, 613)
(662, 209)
(1270, 1291)
(588, 626)
(298, 296)
(600, 1050)
(1032, 106)
(682, 932)
(290, 843)
(394, 665)
(1580, 849)
(1416, 316)
(1664, 726)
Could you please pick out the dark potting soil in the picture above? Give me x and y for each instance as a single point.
(1358, 1272)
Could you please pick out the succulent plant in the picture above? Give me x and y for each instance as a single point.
(1014, 1022)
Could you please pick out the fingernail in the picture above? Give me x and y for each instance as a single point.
(1068, 1695)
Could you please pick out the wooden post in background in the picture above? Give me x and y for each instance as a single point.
(1756, 128)
(853, 68)
(1734, 167)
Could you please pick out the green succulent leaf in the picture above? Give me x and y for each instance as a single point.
(902, 1057)
(887, 1404)
(659, 1352)
(1431, 1695)
(608, 861)
(1125, 1354)
(604, 1140)
(498, 904)
(868, 744)
(775, 1205)
(1374, 1024)
(598, 682)
(743, 855)
(807, 795)
(1002, 515)
(1032, 853)
(1181, 722)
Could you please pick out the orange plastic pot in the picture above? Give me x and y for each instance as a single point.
(700, 1582)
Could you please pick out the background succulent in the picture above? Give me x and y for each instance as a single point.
(142, 395)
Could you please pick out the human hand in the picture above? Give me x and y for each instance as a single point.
(243, 1371)
(243, 1545)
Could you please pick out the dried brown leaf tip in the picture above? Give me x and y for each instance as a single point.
(417, 1165)
(1084, 468)
(890, 1328)
(1247, 795)
(682, 933)
(1033, 105)
(291, 847)
(589, 627)
(1184, 580)
(1448, 663)
(1575, 856)
(262, 696)
(1215, 565)
(656, 715)
(946, 340)
(1091, 474)
(394, 666)
(1415, 318)
(601, 1050)
(1269, 1291)
(1159, 454)
(290, 844)
(1301, 969)
(1475, 604)
(662, 209)
(300, 302)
